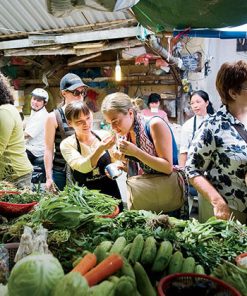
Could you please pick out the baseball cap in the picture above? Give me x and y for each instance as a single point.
(71, 81)
(41, 93)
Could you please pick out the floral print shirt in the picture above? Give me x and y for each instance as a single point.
(220, 154)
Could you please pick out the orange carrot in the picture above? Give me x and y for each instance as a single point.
(85, 264)
(104, 269)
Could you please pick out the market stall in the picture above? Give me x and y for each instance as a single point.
(76, 243)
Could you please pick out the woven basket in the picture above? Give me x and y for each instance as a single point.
(12, 249)
(186, 280)
(14, 210)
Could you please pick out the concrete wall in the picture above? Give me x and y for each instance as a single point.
(217, 51)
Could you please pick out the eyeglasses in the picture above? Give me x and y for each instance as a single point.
(77, 93)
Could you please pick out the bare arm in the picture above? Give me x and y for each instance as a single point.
(162, 140)
(83, 163)
(50, 130)
(182, 159)
(203, 186)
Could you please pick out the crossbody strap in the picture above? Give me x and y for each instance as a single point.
(194, 127)
(241, 131)
(78, 143)
(60, 123)
(174, 144)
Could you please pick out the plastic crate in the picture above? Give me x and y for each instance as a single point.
(179, 284)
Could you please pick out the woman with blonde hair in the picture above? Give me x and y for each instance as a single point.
(149, 146)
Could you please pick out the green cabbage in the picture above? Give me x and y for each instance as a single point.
(35, 275)
(72, 284)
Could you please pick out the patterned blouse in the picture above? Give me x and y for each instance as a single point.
(220, 154)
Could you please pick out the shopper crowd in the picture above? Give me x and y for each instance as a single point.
(213, 150)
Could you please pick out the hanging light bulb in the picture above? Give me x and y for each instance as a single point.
(118, 74)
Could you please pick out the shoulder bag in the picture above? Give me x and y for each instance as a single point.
(156, 192)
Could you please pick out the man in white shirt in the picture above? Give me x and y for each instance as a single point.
(34, 130)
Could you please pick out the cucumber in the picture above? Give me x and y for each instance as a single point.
(105, 288)
(114, 279)
(127, 269)
(136, 249)
(106, 245)
(162, 257)
(149, 251)
(144, 285)
(85, 252)
(118, 245)
(126, 250)
(126, 286)
(199, 269)
(100, 253)
(176, 262)
(188, 265)
(76, 261)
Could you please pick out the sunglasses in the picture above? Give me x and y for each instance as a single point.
(77, 93)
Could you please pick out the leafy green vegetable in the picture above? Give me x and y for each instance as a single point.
(35, 275)
(72, 284)
(233, 275)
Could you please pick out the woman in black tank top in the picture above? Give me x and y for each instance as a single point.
(56, 129)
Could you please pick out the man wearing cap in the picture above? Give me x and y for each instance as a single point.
(34, 129)
(72, 88)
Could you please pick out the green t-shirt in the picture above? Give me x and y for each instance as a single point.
(14, 162)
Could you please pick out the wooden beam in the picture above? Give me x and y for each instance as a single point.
(150, 79)
(71, 38)
(38, 52)
(110, 46)
(78, 61)
(95, 26)
(89, 45)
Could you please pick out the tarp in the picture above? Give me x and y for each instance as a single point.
(167, 15)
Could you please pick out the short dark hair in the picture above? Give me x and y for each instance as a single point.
(6, 96)
(153, 98)
(74, 109)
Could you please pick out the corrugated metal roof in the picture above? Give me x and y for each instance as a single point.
(19, 18)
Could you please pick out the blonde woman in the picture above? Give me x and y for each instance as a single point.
(149, 147)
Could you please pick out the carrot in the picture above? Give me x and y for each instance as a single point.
(85, 264)
(107, 267)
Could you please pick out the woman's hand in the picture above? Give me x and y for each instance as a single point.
(50, 186)
(222, 210)
(108, 142)
(127, 148)
(117, 155)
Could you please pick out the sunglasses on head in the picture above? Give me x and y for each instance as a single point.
(77, 93)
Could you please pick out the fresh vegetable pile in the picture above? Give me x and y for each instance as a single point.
(17, 196)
